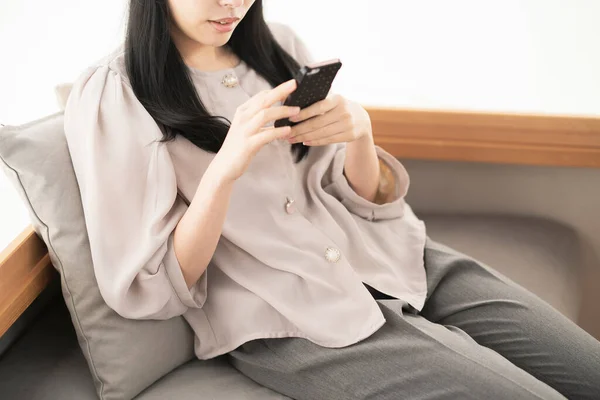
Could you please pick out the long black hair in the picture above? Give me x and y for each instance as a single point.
(161, 81)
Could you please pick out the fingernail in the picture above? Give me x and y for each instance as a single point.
(294, 110)
(306, 143)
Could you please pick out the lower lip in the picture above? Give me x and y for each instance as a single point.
(223, 28)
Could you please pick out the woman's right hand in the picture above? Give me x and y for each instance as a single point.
(248, 134)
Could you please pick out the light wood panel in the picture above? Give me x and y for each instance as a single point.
(25, 270)
(487, 137)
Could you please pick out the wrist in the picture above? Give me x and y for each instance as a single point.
(367, 130)
(365, 140)
(367, 137)
(216, 177)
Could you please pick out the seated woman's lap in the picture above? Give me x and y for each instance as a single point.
(408, 357)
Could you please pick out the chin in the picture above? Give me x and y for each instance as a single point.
(222, 40)
(215, 39)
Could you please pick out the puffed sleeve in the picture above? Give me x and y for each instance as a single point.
(392, 170)
(129, 193)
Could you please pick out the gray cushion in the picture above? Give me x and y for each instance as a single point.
(47, 364)
(124, 356)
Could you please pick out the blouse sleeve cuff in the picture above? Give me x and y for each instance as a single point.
(362, 207)
(193, 297)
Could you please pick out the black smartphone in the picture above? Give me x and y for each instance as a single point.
(314, 82)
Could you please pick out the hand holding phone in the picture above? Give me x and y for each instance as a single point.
(314, 82)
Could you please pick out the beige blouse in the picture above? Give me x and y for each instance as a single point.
(274, 273)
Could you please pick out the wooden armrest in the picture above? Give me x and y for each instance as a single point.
(25, 270)
(488, 137)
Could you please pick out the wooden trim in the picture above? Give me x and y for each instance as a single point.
(488, 137)
(25, 270)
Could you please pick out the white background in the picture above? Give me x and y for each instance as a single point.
(540, 56)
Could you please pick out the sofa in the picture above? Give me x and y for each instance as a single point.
(45, 362)
(43, 354)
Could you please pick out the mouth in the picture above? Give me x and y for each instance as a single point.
(224, 24)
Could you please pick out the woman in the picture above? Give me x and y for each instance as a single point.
(289, 249)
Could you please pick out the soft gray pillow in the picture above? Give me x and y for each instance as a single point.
(124, 356)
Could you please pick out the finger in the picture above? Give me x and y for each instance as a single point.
(315, 123)
(320, 107)
(271, 114)
(267, 135)
(256, 98)
(321, 133)
(270, 97)
(341, 137)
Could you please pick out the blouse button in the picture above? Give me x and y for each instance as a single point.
(230, 81)
(332, 255)
(290, 206)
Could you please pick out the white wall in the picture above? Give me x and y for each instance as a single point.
(510, 55)
(513, 55)
(43, 43)
(47, 42)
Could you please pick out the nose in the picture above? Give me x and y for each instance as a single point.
(231, 3)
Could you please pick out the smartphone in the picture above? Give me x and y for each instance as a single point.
(314, 82)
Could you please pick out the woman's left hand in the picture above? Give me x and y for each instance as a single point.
(333, 120)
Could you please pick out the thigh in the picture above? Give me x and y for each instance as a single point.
(408, 357)
(501, 315)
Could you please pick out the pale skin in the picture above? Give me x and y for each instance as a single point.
(334, 120)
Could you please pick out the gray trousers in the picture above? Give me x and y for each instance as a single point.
(479, 336)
